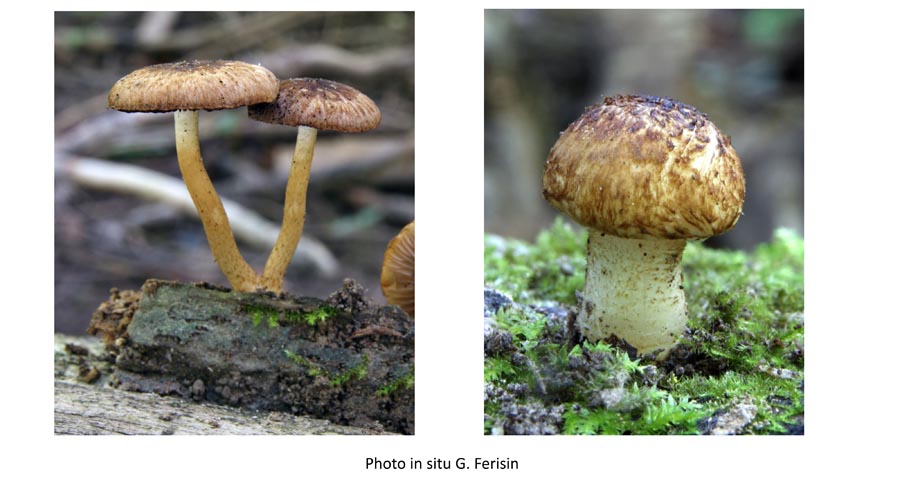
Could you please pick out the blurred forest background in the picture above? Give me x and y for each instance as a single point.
(116, 228)
(744, 68)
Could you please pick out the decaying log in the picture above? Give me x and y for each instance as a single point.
(340, 359)
(86, 403)
(84, 409)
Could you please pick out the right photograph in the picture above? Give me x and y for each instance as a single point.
(644, 247)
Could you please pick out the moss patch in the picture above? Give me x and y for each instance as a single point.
(406, 381)
(277, 318)
(738, 368)
(358, 371)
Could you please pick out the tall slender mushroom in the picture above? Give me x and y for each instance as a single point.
(187, 87)
(310, 105)
(643, 174)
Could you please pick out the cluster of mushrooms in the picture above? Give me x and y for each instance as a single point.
(308, 104)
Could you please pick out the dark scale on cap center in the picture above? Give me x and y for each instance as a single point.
(660, 109)
(320, 104)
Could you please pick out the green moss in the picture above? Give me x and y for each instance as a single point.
(359, 371)
(277, 318)
(550, 269)
(319, 315)
(744, 344)
(658, 412)
(407, 381)
(312, 368)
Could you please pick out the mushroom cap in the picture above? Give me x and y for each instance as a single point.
(192, 86)
(320, 104)
(646, 167)
(398, 273)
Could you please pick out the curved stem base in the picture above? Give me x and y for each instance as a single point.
(209, 206)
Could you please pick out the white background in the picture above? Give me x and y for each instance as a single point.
(851, 169)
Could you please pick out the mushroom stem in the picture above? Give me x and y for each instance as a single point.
(294, 211)
(634, 289)
(209, 206)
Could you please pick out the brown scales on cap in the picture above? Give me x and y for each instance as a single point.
(193, 86)
(186, 87)
(646, 167)
(310, 105)
(320, 104)
(643, 175)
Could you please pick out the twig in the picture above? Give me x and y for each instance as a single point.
(295, 60)
(76, 113)
(361, 157)
(154, 28)
(399, 209)
(104, 131)
(246, 224)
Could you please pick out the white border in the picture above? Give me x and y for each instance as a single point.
(850, 170)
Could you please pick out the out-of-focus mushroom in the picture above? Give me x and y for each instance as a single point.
(643, 174)
(310, 105)
(187, 87)
(398, 273)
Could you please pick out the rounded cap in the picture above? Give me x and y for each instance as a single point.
(320, 104)
(646, 167)
(398, 273)
(193, 86)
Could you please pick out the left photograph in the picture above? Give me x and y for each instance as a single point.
(234, 223)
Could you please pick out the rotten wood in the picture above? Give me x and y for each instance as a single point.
(85, 402)
(340, 359)
(84, 409)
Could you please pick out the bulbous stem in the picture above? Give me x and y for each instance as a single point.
(633, 289)
(294, 211)
(209, 206)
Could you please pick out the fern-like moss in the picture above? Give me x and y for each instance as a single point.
(744, 344)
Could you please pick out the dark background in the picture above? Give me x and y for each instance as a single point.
(362, 187)
(744, 68)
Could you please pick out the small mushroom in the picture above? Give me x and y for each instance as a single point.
(310, 105)
(398, 273)
(187, 87)
(644, 175)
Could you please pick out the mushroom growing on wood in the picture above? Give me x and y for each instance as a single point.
(398, 272)
(644, 175)
(187, 87)
(310, 105)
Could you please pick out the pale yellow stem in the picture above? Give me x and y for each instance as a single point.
(209, 206)
(294, 211)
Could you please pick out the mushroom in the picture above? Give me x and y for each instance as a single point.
(644, 174)
(398, 273)
(187, 87)
(310, 105)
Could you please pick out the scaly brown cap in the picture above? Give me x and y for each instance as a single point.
(398, 273)
(646, 167)
(193, 86)
(321, 104)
